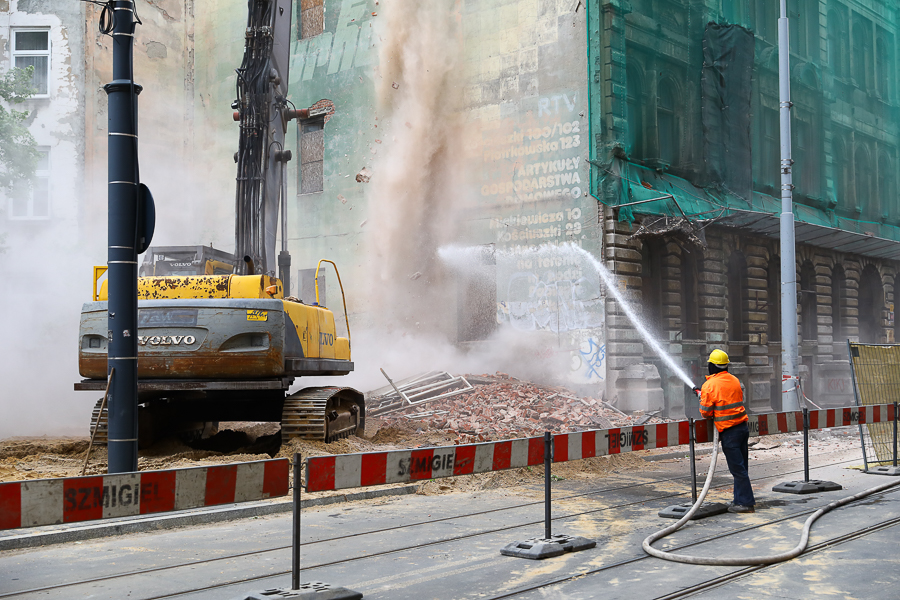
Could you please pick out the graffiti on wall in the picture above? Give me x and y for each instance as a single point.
(588, 364)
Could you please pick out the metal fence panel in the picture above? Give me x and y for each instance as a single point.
(876, 380)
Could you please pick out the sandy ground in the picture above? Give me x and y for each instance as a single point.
(49, 457)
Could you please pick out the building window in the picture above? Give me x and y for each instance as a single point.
(861, 55)
(806, 159)
(798, 24)
(667, 123)
(834, 46)
(690, 304)
(31, 48)
(809, 327)
(312, 18)
(841, 169)
(652, 285)
(866, 202)
(765, 19)
(771, 154)
(871, 304)
(31, 199)
(838, 324)
(634, 106)
(312, 155)
(773, 298)
(737, 277)
(887, 185)
(883, 52)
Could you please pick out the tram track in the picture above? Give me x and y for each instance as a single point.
(559, 517)
(723, 579)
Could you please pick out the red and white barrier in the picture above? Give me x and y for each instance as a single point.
(67, 500)
(344, 471)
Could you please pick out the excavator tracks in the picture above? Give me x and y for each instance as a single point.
(326, 414)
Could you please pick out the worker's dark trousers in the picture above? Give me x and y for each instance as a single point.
(734, 445)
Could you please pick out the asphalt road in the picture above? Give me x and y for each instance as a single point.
(447, 546)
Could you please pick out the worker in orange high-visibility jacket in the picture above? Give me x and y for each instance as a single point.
(722, 400)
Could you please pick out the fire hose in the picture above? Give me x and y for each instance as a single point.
(747, 560)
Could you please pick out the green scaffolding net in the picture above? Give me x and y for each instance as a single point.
(699, 137)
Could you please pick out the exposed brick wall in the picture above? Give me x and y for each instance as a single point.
(322, 105)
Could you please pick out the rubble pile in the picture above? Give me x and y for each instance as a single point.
(502, 407)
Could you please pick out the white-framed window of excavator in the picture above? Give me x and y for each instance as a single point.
(33, 203)
(31, 48)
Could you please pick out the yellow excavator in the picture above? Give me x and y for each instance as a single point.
(217, 338)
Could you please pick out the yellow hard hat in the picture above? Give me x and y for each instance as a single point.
(717, 357)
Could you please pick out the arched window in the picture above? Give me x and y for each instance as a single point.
(866, 201)
(887, 185)
(773, 294)
(667, 122)
(737, 277)
(809, 326)
(871, 303)
(838, 320)
(690, 304)
(634, 106)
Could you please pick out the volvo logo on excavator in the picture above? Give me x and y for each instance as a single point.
(166, 340)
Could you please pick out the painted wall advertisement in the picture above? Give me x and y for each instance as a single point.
(530, 166)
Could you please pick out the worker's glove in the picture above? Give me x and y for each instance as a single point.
(696, 390)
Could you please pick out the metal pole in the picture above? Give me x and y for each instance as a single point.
(295, 540)
(806, 445)
(895, 434)
(548, 462)
(790, 363)
(693, 464)
(122, 254)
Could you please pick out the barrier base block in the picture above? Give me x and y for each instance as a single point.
(812, 486)
(893, 471)
(314, 590)
(538, 548)
(707, 509)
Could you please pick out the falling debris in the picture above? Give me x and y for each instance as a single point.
(364, 222)
(364, 175)
(415, 276)
(395, 85)
(342, 199)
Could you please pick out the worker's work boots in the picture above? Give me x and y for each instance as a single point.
(738, 508)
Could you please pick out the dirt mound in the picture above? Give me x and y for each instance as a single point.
(23, 447)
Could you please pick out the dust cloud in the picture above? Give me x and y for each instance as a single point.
(416, 179)
(47, 272)
(47, 277)
(417, 195)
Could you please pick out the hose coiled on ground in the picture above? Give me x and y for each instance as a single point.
(748, 560)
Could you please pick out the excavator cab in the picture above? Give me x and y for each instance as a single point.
(166, 261)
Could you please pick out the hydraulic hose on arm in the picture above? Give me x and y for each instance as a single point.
(747, 560)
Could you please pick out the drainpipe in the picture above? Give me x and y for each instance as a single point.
(790, 359)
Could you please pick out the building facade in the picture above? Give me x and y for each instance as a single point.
(689, 98)
(484, 166)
